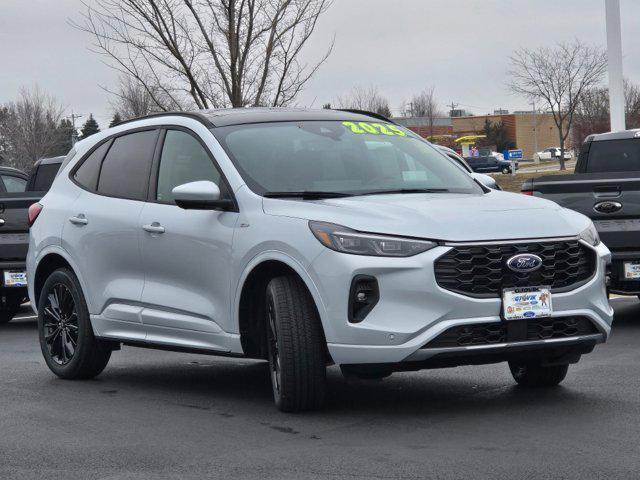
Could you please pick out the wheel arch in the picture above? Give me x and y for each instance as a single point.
(48, 262)
(250, 297)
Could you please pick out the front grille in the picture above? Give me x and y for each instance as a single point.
(481, 270)
(513, 332)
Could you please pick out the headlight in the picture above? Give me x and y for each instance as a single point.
(345, 240)
(590, 235)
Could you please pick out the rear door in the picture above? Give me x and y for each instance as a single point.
(186, 253)
(102, 231)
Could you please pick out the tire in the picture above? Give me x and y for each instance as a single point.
(9, 310)
(506, 171)
(295, 346)
(68, 345)
(532, 375)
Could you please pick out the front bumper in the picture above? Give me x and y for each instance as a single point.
(413, 309)
(617, 283)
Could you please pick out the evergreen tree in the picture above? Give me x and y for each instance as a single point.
(64, 133)
(115, 120)
(89, 128)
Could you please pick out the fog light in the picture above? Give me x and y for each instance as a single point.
(363, 296)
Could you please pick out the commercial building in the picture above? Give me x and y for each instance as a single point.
(529, 131)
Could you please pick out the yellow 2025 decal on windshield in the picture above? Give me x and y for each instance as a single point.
(374, 128)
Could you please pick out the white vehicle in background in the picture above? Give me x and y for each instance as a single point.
(552, 153)
(487, 180)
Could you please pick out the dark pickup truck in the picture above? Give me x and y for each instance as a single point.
(606, 188)
(17, 193)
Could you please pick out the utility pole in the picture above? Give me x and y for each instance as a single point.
(535, 131)
(74, 132)
(614, 57)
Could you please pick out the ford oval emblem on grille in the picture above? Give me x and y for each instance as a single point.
(525, 262)
(607, 207)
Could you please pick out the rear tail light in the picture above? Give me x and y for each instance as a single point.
(34, 211)
(527, 192)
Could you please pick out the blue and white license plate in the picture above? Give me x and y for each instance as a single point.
(526, 302)
(15, 279)
(632, 270)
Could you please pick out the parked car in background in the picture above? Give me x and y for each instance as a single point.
(12, 180)
(552, 153)
(486, 180)
(15, 201)
(305, 238)
(489, 163)
(606, 188)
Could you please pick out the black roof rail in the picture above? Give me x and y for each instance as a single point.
(193, 115)
(367, 113)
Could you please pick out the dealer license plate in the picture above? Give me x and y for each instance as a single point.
(632, 270)
(15, 279)
(526, 302)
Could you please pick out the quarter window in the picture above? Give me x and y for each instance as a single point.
(88, 173)
(183, 160)
(125, 170)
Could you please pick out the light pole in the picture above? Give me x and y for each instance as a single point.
(614, 57)
(535, 131)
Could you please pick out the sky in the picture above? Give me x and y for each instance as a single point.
(460, 47)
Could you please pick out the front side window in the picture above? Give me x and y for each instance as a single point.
(183, 160)
(14, 184)
(126, 168)
(338, 157)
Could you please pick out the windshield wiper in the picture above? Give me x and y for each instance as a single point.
(307, 195)
(406, 191)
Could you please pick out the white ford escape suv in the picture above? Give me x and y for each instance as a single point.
(305, 238)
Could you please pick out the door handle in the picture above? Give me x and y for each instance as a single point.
(79, 219)
(154, 227)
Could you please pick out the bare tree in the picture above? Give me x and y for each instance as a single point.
(591, 114)
(133, 99)
(632, 104)
(366, 98)
(424, 104)
(558, 76)
(29, 128)
(209, 53)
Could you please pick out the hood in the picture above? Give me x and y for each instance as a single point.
(451, 217)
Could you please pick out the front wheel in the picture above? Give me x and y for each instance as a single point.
(533, 375)
(506, 170)
(68, 345)
(295, 345)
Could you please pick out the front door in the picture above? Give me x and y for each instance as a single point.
(186, 253)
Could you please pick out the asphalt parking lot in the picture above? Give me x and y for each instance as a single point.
(162, 415)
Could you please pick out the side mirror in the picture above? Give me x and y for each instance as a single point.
(202, 195)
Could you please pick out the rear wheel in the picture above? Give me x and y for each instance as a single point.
(295, 346)
(533, 375)
(68, 345)
(9, 309)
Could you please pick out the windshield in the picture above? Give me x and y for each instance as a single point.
(338, 157)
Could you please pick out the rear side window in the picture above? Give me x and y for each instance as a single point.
(614, 156)
(44, 177)
(88, 173)
(126, 168)
(14, 184)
